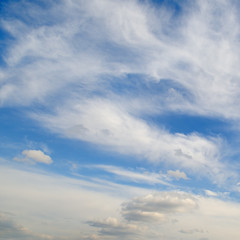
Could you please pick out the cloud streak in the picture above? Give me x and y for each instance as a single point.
(133, 176)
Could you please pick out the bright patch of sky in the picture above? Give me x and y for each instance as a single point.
(119, 119)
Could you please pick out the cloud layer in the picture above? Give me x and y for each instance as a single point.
(42, 206)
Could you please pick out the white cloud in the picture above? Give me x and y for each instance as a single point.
(34, 156)
(177, 174)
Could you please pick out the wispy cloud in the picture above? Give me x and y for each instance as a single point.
(105, 124)
(131, 175)
(76, 58)
(199, 51)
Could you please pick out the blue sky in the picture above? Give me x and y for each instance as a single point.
(119, 120)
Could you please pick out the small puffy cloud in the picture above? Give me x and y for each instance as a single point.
(158, 206)
(34, 156)
(37, 156)
(177, 174)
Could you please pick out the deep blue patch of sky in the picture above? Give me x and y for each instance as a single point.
(136, 85)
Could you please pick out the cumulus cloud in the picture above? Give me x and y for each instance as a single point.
(178, 213)
(34, 156)
(158, 206)
(177, 174)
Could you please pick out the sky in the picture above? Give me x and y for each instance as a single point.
(119, 119)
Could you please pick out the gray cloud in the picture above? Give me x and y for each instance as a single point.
(113, 228)
(158, 206)
(11, 230)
